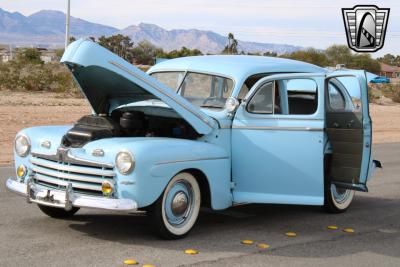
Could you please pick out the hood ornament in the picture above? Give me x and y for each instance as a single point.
(98, 152)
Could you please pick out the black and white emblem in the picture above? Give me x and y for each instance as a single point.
(365, 27)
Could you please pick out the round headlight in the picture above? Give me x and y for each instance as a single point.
(125, 162)
(22, 145)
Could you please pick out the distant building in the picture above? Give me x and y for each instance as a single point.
(46, 55)
(5, 53)
(389, 71)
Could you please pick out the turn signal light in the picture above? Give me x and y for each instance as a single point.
(107, 188)
(21, 171)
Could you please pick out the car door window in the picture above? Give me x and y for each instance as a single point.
(262, 101)
(286, 97)
(344, 94)
(336, 98)
(302, 96)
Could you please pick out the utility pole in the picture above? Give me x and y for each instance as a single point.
(11, 52)
(67, 23)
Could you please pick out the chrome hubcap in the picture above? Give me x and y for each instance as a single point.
(340, 194)
(179, 204)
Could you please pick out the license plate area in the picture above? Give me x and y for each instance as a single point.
(49, 197)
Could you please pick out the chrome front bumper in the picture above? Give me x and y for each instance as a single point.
(67, 199)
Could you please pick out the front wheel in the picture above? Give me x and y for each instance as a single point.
(338, 199)
(177, 209)
(57, 213)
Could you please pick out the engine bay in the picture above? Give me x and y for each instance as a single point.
(129, 122)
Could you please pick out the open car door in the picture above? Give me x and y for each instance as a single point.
(348, 128)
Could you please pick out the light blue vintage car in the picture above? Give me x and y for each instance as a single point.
(211, 131)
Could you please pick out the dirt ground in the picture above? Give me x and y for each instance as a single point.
(22, 110)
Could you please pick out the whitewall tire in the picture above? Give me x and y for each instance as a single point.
(176, 211)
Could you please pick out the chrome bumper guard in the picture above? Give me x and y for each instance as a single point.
(67, 199)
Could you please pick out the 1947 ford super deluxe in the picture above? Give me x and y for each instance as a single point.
(210, 131)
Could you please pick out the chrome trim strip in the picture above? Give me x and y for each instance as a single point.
(202, 118)
(48, 179)
(189, 160)
(225, 126)
(278, 128)
(284, 117)
(74, 160)
(60, 175)
(75, 169)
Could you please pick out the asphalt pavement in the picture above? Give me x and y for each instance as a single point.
(96, 238)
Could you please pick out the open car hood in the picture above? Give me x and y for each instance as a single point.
(102, 76)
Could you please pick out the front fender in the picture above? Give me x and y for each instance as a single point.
(160, 159)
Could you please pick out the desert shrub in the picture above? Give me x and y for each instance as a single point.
(35, 76)
(374, 95)
(391, 91)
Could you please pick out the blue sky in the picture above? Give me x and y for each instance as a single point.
(316, 23)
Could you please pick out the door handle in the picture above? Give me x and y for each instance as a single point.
(350, 124)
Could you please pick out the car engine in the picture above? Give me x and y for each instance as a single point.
(126, 123)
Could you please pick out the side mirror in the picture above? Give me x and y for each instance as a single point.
(231, 106)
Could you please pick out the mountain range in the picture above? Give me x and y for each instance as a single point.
(47, 28)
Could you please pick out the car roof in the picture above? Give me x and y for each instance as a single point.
(237, 67)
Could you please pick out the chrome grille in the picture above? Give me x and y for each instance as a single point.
(85, 177)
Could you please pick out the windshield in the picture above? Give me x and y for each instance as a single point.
(171, 79)
(202, 90)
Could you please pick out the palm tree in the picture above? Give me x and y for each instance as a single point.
(231, 48)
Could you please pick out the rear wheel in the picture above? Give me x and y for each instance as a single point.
(338, 199)
(58, 213)
(176, 211)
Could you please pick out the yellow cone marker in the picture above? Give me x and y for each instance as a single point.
(348, 230)
(191, 251)
(291, 234)
(130, 262)
(247, 242)
(332, 227)
(148, 265)
(262, 246)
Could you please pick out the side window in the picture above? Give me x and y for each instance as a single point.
(262, 101)
(302, 97)
(243, 92)
(249, 83)
(286, 97)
